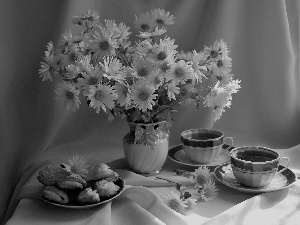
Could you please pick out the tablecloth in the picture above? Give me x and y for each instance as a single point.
(142, 203)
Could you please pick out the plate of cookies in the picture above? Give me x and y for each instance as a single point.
(78, 186)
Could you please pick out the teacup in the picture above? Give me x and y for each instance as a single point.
(204, 145)
(256, 166)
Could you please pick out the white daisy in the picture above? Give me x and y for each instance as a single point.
(78, 165)
(222, 67)
(163, 51)
(202, 175)
(161, 17)
(69, 57)
(144, 68)
(174, 202)
(92, 76)
(180, 72)
(68, 93)
(112, 68)
(225, 78)
(218, 96)
(142, 95)
(144, 22)
(190, 203)
(103, 44)
(102, 96)
(46, 70)
(209, 191)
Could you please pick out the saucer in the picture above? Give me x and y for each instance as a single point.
(280, 181)
(178, 155)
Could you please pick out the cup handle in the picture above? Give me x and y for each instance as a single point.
(287, 164)
(230, 144)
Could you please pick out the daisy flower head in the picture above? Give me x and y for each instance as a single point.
(222, 67)
(103, 45)
(190, 203)
(209, 191)
(157, 80)
(87, 20)
(46, 70)
(112, 68)
(144, 68)
(78, 165)
(218, 96)
(163, 51)
(142, 95)
(233, 86)
(68, 93)
(69, 57)
(102, 97)
(91, 77)
(164, 67)
(144, 22)
(180, 72)
(221, 46)
(49, 53)
(199, 70)
(225, 79)
(162, 17)
(202, 175)
(174, 201)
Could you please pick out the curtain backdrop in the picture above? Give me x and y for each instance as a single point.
(263, 38)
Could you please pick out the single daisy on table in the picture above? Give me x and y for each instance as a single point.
(68, 93)
(174, 201)
(162, 17)
(202, 175)
(209, 191)
(77, 165)
(180, 72)
(102, 96)
(142, 95)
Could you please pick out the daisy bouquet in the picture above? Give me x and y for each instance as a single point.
(144, 82)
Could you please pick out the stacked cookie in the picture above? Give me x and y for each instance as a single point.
(65, 187)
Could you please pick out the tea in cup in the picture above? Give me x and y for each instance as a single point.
(256, 166)
(204, 145)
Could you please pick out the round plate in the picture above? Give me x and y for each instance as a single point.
(280, 181)
(119, 182)
(178, 155)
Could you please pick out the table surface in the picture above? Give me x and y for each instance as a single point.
(26, 211)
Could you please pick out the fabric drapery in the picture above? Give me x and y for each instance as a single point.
(263, 38)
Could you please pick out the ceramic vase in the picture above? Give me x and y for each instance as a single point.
(146, 147)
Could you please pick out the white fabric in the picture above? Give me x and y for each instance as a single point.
(263, 38)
